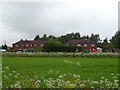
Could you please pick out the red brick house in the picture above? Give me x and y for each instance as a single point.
(26, 44)
(87, 45)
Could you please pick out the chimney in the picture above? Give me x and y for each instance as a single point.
(21, 40)
(25, 39)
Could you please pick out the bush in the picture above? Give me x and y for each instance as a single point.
(60, 54)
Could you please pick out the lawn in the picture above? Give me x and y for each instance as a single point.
(93, 68)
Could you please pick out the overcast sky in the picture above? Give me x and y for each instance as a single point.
(25, 20)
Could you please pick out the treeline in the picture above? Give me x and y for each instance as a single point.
(69, 36)
(56, 43)
(105, 44)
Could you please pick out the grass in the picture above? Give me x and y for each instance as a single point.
(93, 68)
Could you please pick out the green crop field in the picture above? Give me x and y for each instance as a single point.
(93, 68)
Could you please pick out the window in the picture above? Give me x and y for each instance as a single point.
(27, 45)
(35, 45)
(16, 45)
(85, 45)
(79, 45)
(22, 45)
(92, 45)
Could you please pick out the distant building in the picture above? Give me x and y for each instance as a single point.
(27, 44)
(88, 45)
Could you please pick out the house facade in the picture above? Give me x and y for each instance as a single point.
(88, 45)
(27, 44)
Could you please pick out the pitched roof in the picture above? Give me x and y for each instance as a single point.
(79, 42)
(31, 42)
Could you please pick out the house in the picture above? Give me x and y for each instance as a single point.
(28, 44)
(88, 45)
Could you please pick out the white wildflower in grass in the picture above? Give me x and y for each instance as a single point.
(102, 77)
(95, 82)
(74, 75)
(3, 71)
(12, 86)
(118, 74)
(38, 81)
(101, 81)
(13, 71)
(67, 82)
(7, 68)
(5, 76)
(50, 71)
(82, 85)
(63, 81)
(77, 80)
(64, 75)
(16, 76)
(67, 61)
(0, 83)
(112, 73)
(10, 74)
(60, 76)
(78, 76)
(78, 64)
(73, 85)
(116, 81)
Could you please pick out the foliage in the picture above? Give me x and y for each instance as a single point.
(70, 36)
(37, 37)
(60, 54)
(56, 46)
(5, 47)
(52, 46)
(95, 38)
(116, 40)
(105, 45)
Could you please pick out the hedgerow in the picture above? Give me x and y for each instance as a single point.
(59, 54)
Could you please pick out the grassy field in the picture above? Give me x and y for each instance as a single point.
(93, 68)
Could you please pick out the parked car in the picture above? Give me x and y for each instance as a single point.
(3, 50)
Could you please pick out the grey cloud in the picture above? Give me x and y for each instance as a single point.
(55, 18)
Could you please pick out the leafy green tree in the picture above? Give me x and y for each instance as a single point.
(95, 38)
(44, 37)
(116, 40)
(80, 49)
(105, 45)
(5, 47)
(69, 36)
(53, 45)
(37, 37)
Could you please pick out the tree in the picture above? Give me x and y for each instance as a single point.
(53, 45)
(116, 40)
(106, 46)
(44, 37)
(5, 47)
(95, 38)
(37, 37)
